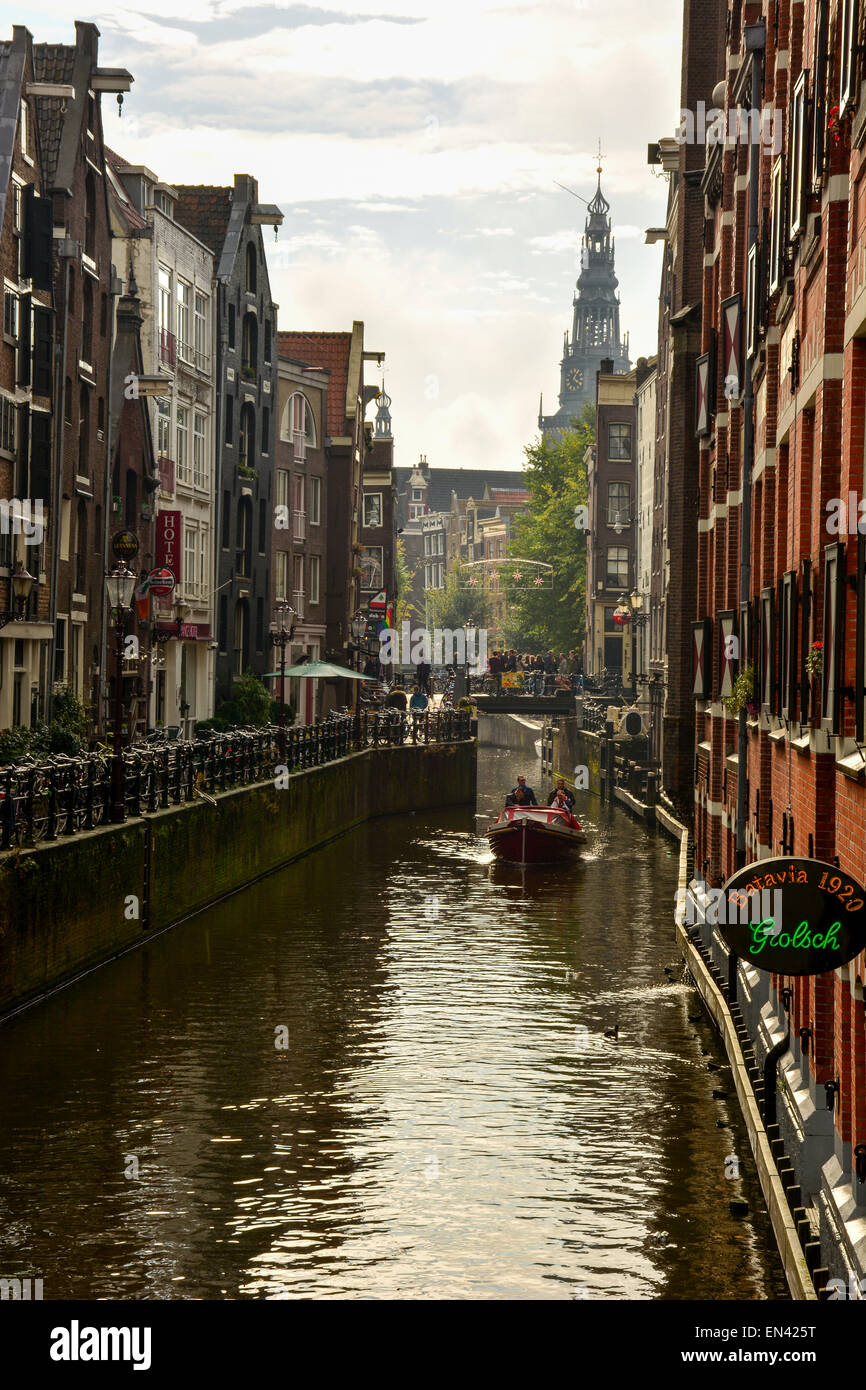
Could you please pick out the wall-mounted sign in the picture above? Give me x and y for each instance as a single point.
(169, 534)
(124, 545)
(160, 581)
(793, 916)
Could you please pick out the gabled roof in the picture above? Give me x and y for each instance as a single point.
(330, 351)
(52, 62)
(205, 210)
(11, 74)
(465, 482)
(120, 198)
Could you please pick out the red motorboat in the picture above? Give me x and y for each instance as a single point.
(535, 835)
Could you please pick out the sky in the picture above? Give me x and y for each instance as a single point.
(414, 147)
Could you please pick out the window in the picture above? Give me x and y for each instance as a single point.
(250, 346)
(315, 501)
(798, 150)
(241, 637)
(25, 130)
(753, 300)
(315, 570)
(267, 340)
(248, 437)
(244, 536)
(90, 215)
(834, 636)
(417, 494)
(83, 431)
(8, 422)
(163, 427)
(373, 509)
(10, 314)
(184, 305)
(166, 324)
(618, 503)
(231, 328)
(848, 45)
(617, 567)
(282, 574)
(60, 650)
(203, 559)
(87, 322)
(619, 441)
(81, 556)
(283, 488)
(371, 567)
(260, 624)
(230, 419)
(182, 445)
(199, 470)
(227, 518)
(200, 326)
(223, 624)
(250, 282)
(263, 526)
(298, 582)
(190, 558)
(777, 227)
(266, 428)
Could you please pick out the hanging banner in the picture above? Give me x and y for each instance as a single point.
(791, 916)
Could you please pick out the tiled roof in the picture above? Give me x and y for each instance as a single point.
(466, 482)
(52, 62)
(204, 210)
(329, 350)
(125, 205)
(508, 495)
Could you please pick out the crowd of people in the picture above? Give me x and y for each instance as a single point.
(543, 673)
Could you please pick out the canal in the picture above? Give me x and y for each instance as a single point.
(369, 1076)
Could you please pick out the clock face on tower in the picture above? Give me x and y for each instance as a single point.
(573, 379)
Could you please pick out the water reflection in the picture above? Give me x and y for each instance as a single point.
(448, 1119)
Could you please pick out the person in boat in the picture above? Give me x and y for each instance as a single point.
(523, 795)
(561, 797)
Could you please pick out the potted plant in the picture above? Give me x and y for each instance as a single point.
(815, 660)
(742, 694)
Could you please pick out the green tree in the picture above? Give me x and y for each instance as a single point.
(542, 618)
(405, 574)
(250, 705)
(457, 604)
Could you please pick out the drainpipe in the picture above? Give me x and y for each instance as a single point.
(68, 250)
(115, 289)
(221, 336)
(755, 36)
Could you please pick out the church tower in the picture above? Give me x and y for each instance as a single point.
(595, 332)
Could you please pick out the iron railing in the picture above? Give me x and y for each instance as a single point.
(55, 798)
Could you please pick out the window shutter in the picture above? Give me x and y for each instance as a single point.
(42, 344)
(702, 659)
(40, 457)
(805, 617)
(728, 664)
(768, 650)
(788, 654)
(39, 233)
(24, 340)
(834, 591)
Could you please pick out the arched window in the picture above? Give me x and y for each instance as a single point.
(250, 345)
(81, 547)
(83, 431)
(251, 268)
(248, 436)
(297, 420)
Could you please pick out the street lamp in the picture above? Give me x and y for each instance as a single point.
(280, 637)
(21, 583)
(120, 586)
(469, 629)
(358, 627)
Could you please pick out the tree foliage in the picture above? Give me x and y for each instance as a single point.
(405, 575)
(456, 604)
(545, 618)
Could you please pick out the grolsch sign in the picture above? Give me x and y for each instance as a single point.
(793, 916)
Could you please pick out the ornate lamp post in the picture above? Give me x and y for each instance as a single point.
(358, 628)
(21, 582)
(281, 636)
(120, 586)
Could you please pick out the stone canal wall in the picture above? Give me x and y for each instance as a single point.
(510, 731)
(68, 906)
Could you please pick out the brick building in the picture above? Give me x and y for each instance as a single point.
(229, 222)
(300, 547)
(781, 402)
(26, 390)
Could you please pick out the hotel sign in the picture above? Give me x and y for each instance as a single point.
(793, 916)
(169, 538)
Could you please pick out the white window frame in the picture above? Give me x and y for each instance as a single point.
(200, 338)
(185, 348)
(777, 223)
(848, 61)
(283, 493)
(199, 450)
(373, 525)
(315, 516)
(281, 575)
(315, 578)
(798, 147)
(182, 461)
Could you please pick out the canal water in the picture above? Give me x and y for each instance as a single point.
(368, 1076)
